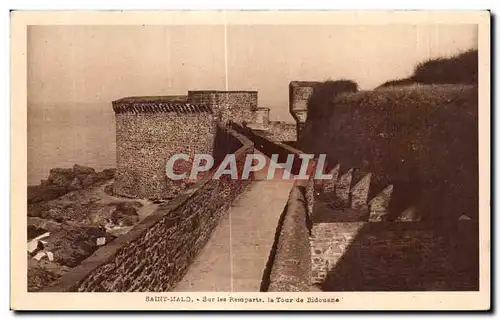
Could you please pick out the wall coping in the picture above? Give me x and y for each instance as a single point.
(286, 266)
(160, 106)
(304, 83)
(254, 133)
(170, 98)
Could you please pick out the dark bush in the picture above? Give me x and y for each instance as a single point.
(459, 69)
(319, 103)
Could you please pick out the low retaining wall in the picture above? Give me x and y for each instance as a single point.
(155, 255)
(289, 264)
(395, 256)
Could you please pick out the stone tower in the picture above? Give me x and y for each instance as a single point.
(149, 130)
(236, 106)
(299, 94)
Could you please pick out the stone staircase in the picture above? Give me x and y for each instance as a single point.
(352, 230)
(351, 196)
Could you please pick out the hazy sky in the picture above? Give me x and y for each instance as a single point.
(71, 65)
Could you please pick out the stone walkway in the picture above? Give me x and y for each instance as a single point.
(236, 255)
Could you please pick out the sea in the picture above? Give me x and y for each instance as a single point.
(61, 135)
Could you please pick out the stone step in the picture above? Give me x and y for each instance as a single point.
(409, 215)
(343, 188)
(329, 185)
(356, 190)
(380, 204)
(359, 192)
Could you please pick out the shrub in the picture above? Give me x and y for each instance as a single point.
(459, 69)
(319, 104)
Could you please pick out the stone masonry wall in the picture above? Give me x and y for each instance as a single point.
(291, 257)
(282, 131)
(396, 256)
(236, 106)
(207, 97)
(148, 133)
(156, 254)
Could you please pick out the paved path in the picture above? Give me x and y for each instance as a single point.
(236, 255)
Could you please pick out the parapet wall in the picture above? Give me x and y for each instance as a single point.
(270, 147)
(149, 130)
(289, 264)
(155, 255)
(290, 259)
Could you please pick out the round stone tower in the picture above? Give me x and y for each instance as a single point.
(149, 130)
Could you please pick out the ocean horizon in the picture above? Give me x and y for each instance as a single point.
(61, 135)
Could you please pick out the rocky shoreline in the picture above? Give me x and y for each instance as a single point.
(72, 214)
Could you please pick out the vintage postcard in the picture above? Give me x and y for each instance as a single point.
(233, 160)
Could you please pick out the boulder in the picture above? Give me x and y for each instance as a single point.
(75, 184)
(109, 173)
(106, 174)
(109, 190)
(36, 225)
(34, 231)
(120, 219)
(128, 208)
(72, 244)
(61, 177)
(55, 213)
(87, 180)
(45, 193)
(99, 216)
(83, 170)
(45, 183)
(39, 277)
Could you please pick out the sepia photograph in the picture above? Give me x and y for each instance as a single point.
(250, 160)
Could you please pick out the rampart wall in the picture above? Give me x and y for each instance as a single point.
(155, 255)
(348, 252)
(421, 139)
